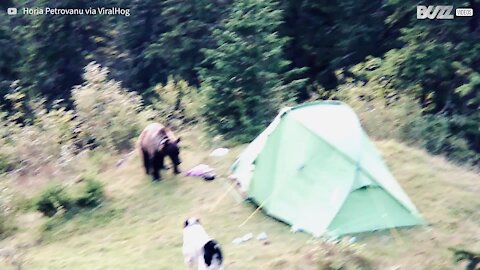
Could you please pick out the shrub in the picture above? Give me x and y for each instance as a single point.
(7, 149)
(53, 199)
(386, 115)
(45, 139)
(439, 135)
(51, 137)
(8, 133)
(97, 161)
(32, 136)
(109, 115)
(92, 194)
(89, 193)
(177, 100)
(4, 163)
(6, 212)
(382, 115)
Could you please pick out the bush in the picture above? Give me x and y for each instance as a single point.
(109, 115)
(88, 194)
(439, 135)
(6, 212)
(32, 136)
(382, 115)
(177, 100)
(92, 194)
(53, 199)
(386, 115)
(46, 138)
(4, 163)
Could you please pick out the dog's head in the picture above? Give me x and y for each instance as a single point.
(191, 221)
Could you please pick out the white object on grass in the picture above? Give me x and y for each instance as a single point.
(262, 236)
(237, 241)
(247, 237)
(219, 152)
(242, 239)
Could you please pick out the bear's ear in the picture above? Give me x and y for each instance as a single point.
(164, 141)
(178, 140)
(185, 224)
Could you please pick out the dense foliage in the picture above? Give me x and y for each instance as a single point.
(245, 78)
(108, 115)
(60, 198)
(247, 58)
(54, 199)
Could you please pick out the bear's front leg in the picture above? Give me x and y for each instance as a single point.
(175, 169)
(175, 162)
(158, 165)
(156, 175)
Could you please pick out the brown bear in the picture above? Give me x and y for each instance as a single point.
(155, 142)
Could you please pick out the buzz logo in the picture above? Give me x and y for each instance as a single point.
(434, 12)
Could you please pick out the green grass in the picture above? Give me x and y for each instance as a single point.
(140, 224)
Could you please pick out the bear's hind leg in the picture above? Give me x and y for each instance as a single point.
(146, 162)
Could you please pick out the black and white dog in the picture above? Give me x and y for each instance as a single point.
(199, 248)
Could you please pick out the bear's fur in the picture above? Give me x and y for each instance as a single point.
(155, 142)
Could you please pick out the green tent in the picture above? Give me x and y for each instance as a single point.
(314, 168)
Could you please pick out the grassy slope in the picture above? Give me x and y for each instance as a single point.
(140, 226)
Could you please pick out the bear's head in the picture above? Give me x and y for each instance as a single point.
(170, 148)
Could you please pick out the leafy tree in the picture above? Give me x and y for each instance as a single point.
(255, 59)
(143, 28)
(329, 35)
(57, 48)
(165, 38)
(9, 55)
(109, 115)
(437, 64)
(245, 83)
(189, 30)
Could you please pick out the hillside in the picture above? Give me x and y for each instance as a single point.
(140, 225)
